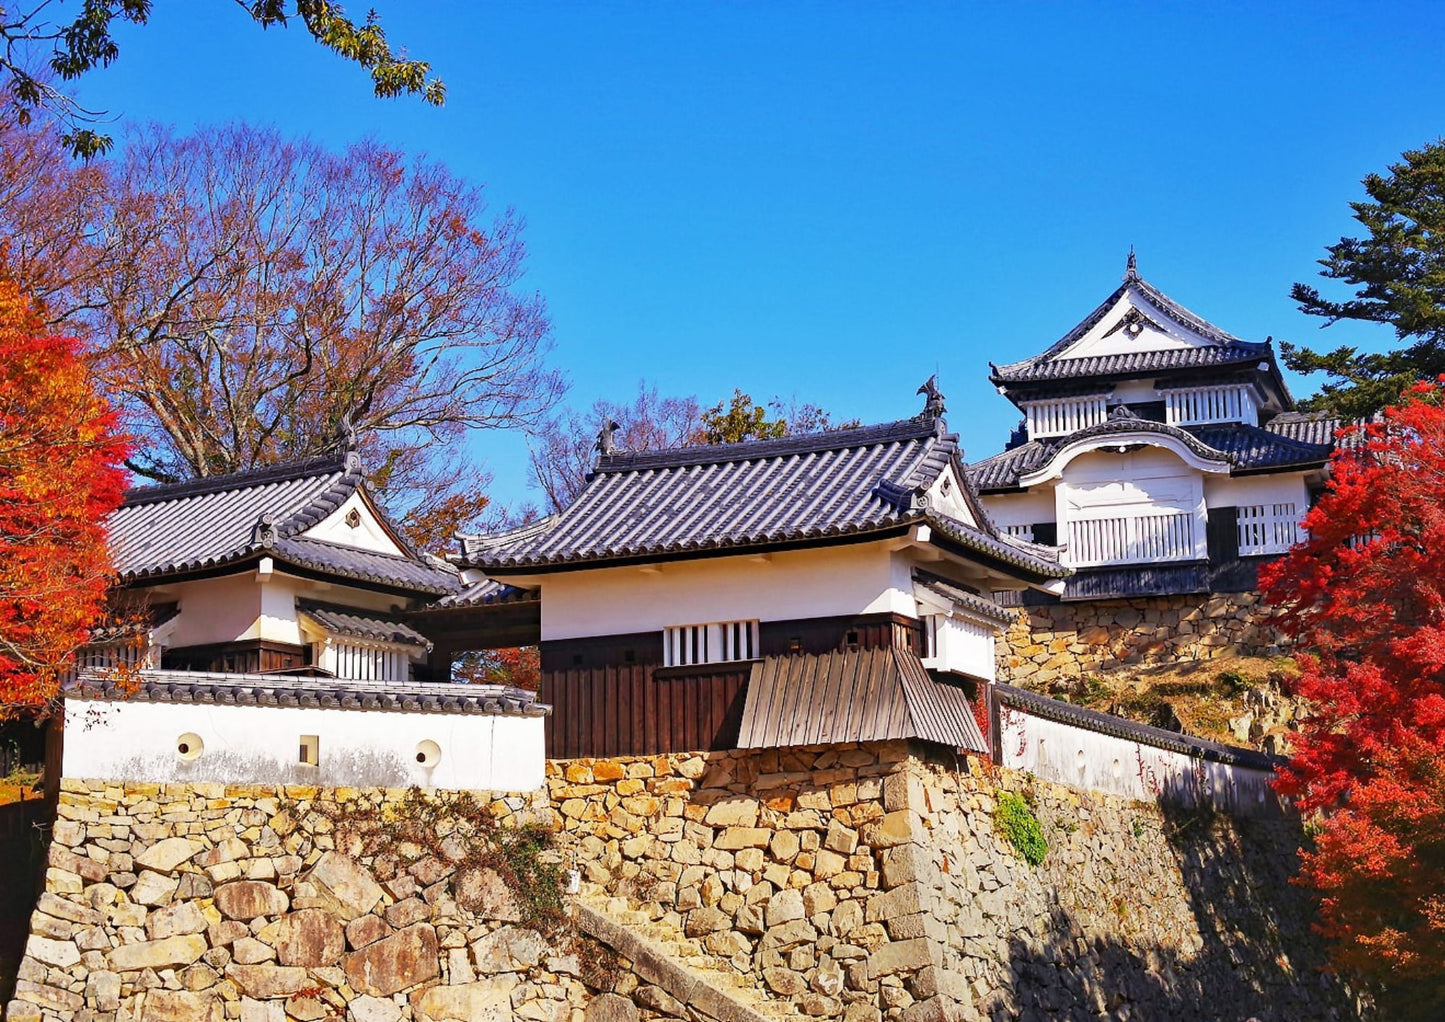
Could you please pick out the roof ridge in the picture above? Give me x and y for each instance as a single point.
(324, 464)
(916, 428)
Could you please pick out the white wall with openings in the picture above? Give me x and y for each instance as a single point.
(163, 742)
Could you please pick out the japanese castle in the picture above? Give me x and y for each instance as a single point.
(1161, 454)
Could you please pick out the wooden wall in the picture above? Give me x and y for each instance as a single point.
(611, 696)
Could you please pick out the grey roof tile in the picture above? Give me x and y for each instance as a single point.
(489, 592)
(1306, 427)
(289, 690)
(978, 604)
(160, 531)
(1246, 448)
(856, 695)
(361, 624)
(730, 497)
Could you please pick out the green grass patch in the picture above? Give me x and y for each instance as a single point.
(1014, 818)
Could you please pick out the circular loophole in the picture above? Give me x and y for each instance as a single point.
(428, 753)
(1118, 770)
(189, 746)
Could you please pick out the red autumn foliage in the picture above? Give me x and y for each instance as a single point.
(520, 666)
(1364, 595)
(60, 476)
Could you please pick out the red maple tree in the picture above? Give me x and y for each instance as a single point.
(1364, 596)
(60, 476)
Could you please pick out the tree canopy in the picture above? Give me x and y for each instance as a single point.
(60, 477)
(1364, 597)
(39, 44)
(247, 293)
(1398, 272)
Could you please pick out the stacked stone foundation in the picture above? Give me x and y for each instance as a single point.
(1063, 641)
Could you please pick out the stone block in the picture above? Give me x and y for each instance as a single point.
(900, 956)
(841, 839)
(157, 954)
(486, 894)
(732, 812)
(348, 886)
(394, 963)
(509, 949)
(169, 854)
(474, 1002)
(61, 954)
(153, 888)
(267, 981)
(102, 991)
(248, 899)
(253, 1010)
(310, 937)
(611, 1008)
(366, 930)
(174, 921)
(372, 1009)
(784, 906)
(181, 1006)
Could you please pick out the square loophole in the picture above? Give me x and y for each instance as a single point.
(310, 750)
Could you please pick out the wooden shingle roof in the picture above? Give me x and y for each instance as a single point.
(857, 695)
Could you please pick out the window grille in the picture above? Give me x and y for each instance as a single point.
(1063, 416)
(1268, 528)
(1231, 403)
(1018, 531)
(720, 642)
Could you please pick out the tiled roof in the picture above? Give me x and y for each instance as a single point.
(691, 500)
(1306, 427)
(980, 605)
(272, 690)
(1108, 724)
(361, 624)
(488, 592)
(1225, 350)
(1247, 449)
(853, 696)
(206, 523)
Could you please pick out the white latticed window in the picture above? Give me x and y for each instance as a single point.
(1018, 531)
(1268, 528)
(114, 656)
(364, 661)
(1063, 416)
(709, 644)
(1130, 540)
(1197, 405)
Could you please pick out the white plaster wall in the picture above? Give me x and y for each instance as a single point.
(1021, 508)
(1223, 491)
(368, 535)
(1083, 758)
(946, 496)
(243, 607)
(1130, 392)
(855, 579)
(1103, 339)
(260, 744)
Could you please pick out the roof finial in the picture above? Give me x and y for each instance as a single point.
(263, 533)
(1131, 268)
(933, 404)
(607, 439)
(350, 442)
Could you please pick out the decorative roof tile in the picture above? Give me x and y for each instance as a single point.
(692, 500)
(181, 528)
(488, 592)
(277, 690)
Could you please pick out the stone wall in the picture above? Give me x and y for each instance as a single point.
(201, 902)
(863, 883)
(1064, 641)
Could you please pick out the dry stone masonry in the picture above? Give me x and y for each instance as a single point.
(1064, 641)
(868, 883)
(861, 883)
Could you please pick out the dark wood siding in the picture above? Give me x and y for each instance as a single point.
(611, 696)
(642, 709)
(251, 657)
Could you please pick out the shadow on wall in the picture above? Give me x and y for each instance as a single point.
(1257, 957)
(337, 768)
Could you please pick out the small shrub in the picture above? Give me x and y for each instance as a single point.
(1234, 683)
(1014, 818)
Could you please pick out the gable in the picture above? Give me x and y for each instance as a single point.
(1134, 323)
(947, 496)
(355, 524)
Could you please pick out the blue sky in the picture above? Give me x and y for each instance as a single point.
(829, 201)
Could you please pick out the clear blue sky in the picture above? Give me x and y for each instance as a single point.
(831, 200)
